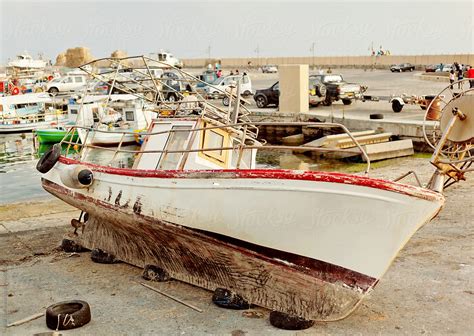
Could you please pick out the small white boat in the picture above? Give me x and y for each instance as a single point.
(123, 113)
(25, 61)
(192, 202)
(26, 112)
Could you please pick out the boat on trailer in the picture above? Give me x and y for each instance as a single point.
(193, 202)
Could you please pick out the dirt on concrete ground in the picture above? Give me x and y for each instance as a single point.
(428, 290)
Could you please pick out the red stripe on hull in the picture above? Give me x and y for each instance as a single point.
(277, 174)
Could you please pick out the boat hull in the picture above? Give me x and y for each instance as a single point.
(53, 135)
(23, 127)
(208, 262)
(307, 244)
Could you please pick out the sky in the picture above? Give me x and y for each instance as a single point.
(195, 29)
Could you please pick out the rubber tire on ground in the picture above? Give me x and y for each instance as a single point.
(328, 101)
(171, 97)
(261, 101)
(227, 299)
(376, 116)
(155, 273)
(68, 315)
(347, 101)
(225, 101)
(396, 106)
(102, 257)
(70, 246)
(288, 322)
(49, 159)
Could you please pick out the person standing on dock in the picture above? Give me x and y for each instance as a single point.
(452, 77)
(470, 75)
(460, 77)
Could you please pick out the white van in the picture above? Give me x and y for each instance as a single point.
(217, 88)
(66, 83)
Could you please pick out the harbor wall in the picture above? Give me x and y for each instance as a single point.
(338, 61)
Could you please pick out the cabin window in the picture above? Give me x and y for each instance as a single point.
(215, 138)
(129, 116)
(78, 79)
(95, 114)
(73, 111)
(176, 141)
(245, 161)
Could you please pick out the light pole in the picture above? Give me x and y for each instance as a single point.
(313, 45)
(257, 51)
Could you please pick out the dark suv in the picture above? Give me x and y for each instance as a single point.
(271, 96)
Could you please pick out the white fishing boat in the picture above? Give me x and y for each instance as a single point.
(26, 112)
(25, 61)
(192, 202)
(107, 116)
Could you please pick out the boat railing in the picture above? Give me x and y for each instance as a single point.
(30, 117)
(246, 141)
(133, 75)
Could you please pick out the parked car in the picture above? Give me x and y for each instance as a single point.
(271, 96)
(402, 67)
(431, 67)
(338, 89)
(215, 90)
(269, 69)
(444, 68)
(208, 76)
(66, 83)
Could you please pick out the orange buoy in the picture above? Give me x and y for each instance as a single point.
(15, 91)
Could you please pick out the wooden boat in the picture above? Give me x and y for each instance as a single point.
(192, 202)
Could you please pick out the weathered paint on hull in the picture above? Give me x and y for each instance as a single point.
(199, 259)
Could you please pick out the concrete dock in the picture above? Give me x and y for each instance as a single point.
(428, 290)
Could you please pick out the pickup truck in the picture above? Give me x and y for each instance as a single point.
(338, 89)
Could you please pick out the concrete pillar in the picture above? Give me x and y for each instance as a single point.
(294, 89)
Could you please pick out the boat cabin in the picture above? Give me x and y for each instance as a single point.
(124, 109)
(201, 149)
